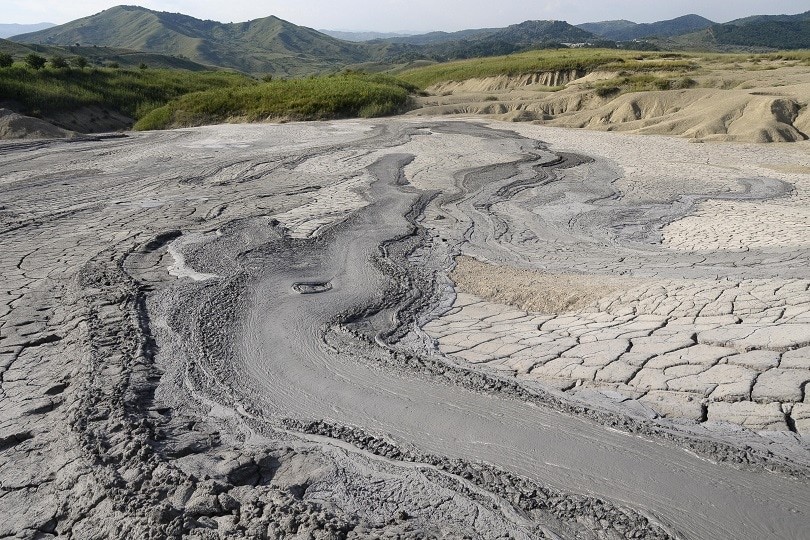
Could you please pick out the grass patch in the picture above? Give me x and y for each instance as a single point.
(641, 83)
(317, 98)
(647, 66)
(134, 93)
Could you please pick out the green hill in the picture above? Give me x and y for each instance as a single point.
(757, 33)
(268, 45)
(102, 56)
(531, 33)
(771, 34)
(771, 18)
(603, 28)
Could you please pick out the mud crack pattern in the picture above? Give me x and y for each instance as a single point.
(252, 331)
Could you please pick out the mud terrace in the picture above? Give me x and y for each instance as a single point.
(404, 329)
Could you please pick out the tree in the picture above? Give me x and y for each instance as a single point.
(6, 60)
(35, 61)
(59, 62)
(114, 65)
(143, 66)
(79, 62)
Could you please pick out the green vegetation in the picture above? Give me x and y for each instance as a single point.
(315, 98)
(6, 60)
(59, 62)
(100, 56)
(50, 91)
(547, 60)
(35, 61)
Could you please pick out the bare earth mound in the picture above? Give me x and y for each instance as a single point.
(17, 126)
(747, 102)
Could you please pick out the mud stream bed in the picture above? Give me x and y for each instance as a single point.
(252, 331)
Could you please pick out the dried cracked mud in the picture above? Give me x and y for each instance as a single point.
(404, 329)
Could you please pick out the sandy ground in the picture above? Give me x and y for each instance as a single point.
(403, 328)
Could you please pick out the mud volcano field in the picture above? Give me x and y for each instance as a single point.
(412, 328)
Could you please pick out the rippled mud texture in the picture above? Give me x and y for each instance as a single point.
(248, 331)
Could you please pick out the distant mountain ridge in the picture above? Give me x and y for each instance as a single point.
(268, 45)
(760, 32)
(627, 30)
(8, 30)
(755, 19)
(273, 46)
(362, 36)
(521, 34)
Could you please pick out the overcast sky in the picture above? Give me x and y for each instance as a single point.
(409, 15)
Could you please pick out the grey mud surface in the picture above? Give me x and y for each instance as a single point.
(231, 332)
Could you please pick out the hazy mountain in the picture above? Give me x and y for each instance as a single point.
(628, 31)
(528, 32)
(535, 32)
(606, 27)
(362, 36)
(482, 42)
(268, 45)
(432, 38)
(8, 30)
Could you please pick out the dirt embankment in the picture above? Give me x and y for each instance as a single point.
(722, 103)
(14, 125)
(17, 126)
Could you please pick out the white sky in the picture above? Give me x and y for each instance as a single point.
(409, 15)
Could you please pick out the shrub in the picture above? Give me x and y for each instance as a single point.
(607, 91)
(59, 62)
(684, 82)
(35, 61)
(6, 60)
(315, 98)
(79, 62)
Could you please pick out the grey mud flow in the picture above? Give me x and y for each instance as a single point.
(282, 386)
